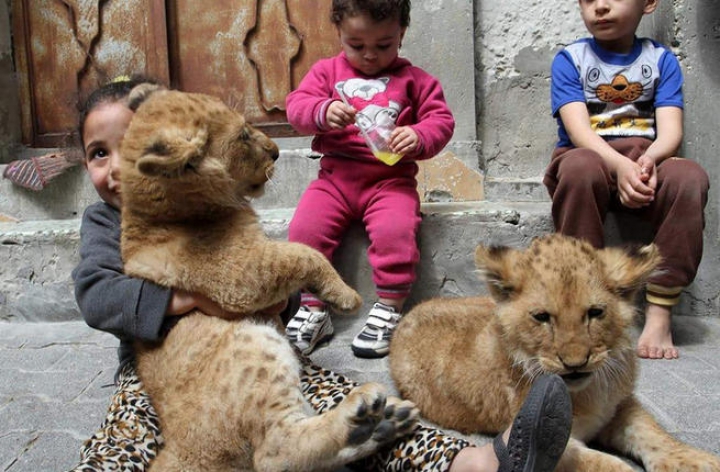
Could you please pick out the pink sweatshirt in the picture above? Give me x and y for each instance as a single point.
(404, 93)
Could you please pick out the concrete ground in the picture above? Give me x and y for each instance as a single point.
(55, 385)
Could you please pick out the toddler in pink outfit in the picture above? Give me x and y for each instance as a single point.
(366, 85)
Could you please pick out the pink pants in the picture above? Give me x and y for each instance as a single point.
(384, 198)
(583, 191)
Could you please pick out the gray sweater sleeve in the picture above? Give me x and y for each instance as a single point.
(110, 301)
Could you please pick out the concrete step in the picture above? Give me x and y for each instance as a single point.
(69, 194)
(463, 208)
(450, 176)
(502, 189)
(38, 256)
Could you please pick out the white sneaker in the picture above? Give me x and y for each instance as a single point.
(374, 339)
(308, 328)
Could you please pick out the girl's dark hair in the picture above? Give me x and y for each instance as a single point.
(114, 91)
(378, 10)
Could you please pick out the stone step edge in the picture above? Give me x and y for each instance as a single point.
(506, 212)
(38, 256)
(517, 189)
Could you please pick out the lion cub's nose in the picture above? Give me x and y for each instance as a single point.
(575, 362)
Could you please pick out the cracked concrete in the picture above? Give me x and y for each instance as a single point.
(56, 383)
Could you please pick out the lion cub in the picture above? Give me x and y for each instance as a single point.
(227, 391)
(562, 307)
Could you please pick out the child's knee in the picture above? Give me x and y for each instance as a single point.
(685, 179)
(581, 167)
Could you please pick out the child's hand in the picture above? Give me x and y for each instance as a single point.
(648, 171)
(633, 184)
(339, 115)
(183, 302)
(404, 140)
(274, 310)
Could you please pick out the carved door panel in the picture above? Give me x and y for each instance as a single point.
(248, 52)
(251, 53)
(64, 48)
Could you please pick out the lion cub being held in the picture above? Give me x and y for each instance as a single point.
(227, 391)
(561, 307)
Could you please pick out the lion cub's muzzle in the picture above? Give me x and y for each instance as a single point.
(576, 379)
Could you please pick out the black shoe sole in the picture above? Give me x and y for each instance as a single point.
(542, 427)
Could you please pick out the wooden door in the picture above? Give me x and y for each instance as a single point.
(65, 48)
(251, 53)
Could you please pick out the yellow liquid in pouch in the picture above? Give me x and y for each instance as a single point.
(389, 158)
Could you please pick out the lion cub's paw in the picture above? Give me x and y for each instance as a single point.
(400, 418)
(345, 300)
(687, 459)
(376, 417)
(365, 407)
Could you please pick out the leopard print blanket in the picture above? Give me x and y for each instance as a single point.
(129, 437)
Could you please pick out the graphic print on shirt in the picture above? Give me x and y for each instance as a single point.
(621, 104)
(369, 98)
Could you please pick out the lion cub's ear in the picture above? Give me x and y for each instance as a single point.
(626, 270)
(140, 93)
(496, 265)
(173, 151)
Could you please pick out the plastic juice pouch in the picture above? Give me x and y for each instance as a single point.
(376, 137)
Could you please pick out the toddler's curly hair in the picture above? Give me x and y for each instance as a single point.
(378, 10)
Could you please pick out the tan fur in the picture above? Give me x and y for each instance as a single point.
(560, 306)
(227, 391)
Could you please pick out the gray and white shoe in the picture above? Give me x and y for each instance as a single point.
(373, 340)
(308, 328)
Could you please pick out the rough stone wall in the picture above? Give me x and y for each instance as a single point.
(696, 29)
(516, 42)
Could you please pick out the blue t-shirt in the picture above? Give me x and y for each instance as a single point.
(621, 91)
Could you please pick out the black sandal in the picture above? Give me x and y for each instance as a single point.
(540, 431)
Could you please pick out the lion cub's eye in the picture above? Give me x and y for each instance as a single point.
(541, 316)
(244, 134)
(595, 312)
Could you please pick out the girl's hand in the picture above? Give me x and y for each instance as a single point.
(404, 140)
(183, 302)
(339, 115)
(274, 310)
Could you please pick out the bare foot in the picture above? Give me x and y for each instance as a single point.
(476, 459)
(655, 341)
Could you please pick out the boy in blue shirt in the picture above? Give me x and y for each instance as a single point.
(619, 106)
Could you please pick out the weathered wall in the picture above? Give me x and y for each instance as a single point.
(516, 42)
(697, 33)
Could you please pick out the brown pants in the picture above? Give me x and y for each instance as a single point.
(583, 191)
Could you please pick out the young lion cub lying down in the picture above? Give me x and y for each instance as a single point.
(561, 307)
(227, 391)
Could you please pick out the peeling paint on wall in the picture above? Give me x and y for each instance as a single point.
(445, 178)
